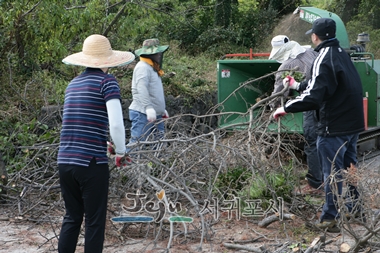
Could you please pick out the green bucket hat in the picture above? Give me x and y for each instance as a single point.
(151, 46)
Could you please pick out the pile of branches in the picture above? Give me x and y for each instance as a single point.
(186, 174)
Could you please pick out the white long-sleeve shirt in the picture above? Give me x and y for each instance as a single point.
(147, 89)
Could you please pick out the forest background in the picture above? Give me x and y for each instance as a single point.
(36, 35)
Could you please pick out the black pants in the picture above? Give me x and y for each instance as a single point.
(85, 192)
(315, 174)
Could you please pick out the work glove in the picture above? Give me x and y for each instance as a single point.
(279, 113)
(151, 114)
(165, 115)
(121, 160)
(292, 83)
(110, 149)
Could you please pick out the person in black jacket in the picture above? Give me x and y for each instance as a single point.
(335, 92)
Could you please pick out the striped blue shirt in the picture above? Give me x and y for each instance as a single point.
(84, 131)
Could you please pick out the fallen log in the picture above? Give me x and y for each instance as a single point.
(276, 217)
(248, 241)
(241, 247)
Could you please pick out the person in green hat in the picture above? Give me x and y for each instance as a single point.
(148, 105)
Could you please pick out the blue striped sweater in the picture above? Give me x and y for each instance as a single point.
(85, 120)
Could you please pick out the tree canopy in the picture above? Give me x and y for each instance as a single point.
(36, 35)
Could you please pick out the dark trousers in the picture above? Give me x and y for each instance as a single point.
(85, 192)
(341, 150)
(315, 174)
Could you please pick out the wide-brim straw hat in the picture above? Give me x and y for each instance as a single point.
(151, 46)
(97, 53)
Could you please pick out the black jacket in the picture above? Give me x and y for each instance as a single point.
(334, 90)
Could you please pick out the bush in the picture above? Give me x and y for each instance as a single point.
(266, 185)
(16, 138)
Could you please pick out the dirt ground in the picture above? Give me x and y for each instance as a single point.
(26, 236)
(20, 236)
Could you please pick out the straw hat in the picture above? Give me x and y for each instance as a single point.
(97, 53)
(151, 46)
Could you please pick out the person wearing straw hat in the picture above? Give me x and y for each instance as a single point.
(148, 105)
(92, 107)
(293, 56)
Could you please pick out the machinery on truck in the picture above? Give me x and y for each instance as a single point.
(236, 94)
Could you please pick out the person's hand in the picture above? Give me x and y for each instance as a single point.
(165, 115)
(292, 82)
(151, 114)
(279, 112)
(122, 160)
(110, 149)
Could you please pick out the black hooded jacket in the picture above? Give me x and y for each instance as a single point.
(334, 91)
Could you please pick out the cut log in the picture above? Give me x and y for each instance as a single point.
(270, 219)
(344, 247)
(241, 247)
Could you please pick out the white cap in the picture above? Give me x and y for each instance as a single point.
(277, 42)
(283, 49)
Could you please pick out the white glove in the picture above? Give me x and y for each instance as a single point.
(279, 112)
(151, 114)
(165, 115)
(292, 83)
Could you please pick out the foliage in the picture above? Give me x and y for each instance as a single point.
(247, 5)
(264, 185)
(355, 27)
(370, 13)
(196, 21)
(282, 7)
(37, 35)
(234, 179)
(325, 4)
(16, 138)
(223, 13)
(254, 26)
(298, 76)
(30, 43)
(241, 182)
(212, 37)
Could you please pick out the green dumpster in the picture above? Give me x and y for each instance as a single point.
(236, 97)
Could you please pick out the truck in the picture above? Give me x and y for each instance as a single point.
(242, 83)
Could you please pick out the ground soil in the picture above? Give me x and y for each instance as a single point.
(21, 236)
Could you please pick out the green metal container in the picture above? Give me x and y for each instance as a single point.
(369, 70)
(235, 97)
